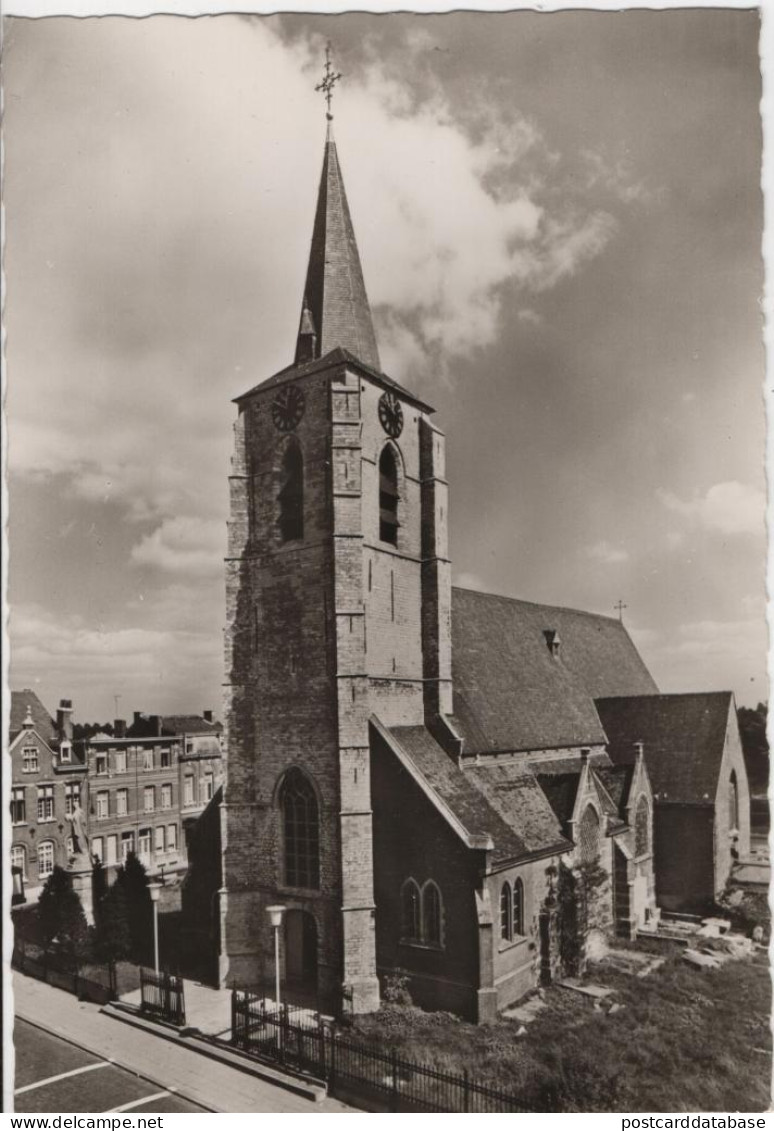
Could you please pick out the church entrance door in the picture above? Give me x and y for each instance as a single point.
(300, 948)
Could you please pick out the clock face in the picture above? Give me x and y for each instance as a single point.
(287, 408)
(391, 414)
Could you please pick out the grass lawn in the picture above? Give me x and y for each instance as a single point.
(686, 1040)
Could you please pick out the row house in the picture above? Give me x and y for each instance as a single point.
(146, 783)
(47, 781)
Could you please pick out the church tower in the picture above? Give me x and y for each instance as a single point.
(338, 613)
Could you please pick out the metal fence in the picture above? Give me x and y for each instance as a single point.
(89, 981)
(162, 995)
(300, 1041)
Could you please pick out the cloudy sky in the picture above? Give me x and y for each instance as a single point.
(559, 217)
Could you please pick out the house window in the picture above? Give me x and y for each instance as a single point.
(166, 797)
(166, 758)
(103, 805)
(642, 828)
(45, 802)
(19, 858)
(101, 764)
(72, 797)
(149, 799)
(209, 786)
(18, 807)
(120, 762)
(45, 859)
(733, 803)
(300, 823)
(96, 849)
(188, 790)
(122, 802)
(147, 759)
(589, 835)
(145, 844)
(112, 849)
(388, 496)
(411, 920)
(171, 838)
(127, 845)
(161, 838)
(291, 494)
(65, 752)
(29, 760)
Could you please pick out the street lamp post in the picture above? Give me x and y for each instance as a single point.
(154, 890)
(275, 913)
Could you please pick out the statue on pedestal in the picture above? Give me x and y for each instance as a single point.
(81, 857)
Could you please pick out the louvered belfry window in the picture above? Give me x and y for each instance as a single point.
(291, 495)
(301, 829)
(388, 497)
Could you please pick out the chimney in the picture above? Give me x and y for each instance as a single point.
(207, 716)
(64, 722)
(119, 728)
(137, 717)
(155, 726)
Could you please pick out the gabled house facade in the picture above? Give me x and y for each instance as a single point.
(47, 779)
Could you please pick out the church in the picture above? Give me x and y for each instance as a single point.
(419, 774)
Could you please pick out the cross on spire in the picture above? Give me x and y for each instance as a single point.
(330, 78)
(620, 606)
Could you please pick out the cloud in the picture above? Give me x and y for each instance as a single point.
(607, 554)
(61, 655)
(186, 546)
(470, 581)
(731, 508)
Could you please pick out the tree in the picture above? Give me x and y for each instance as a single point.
(61, 917)
(578, 890)
(755, 746)
(133, 881)
(113, 936)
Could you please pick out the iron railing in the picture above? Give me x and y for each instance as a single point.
(162, 995)
(89, 981)
(304, 1042)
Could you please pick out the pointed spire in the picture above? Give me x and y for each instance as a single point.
(335, 301)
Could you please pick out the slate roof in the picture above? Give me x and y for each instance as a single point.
(511, 693)
(683, 737)
(189, 724)
(44, 724)
(617, 781)
(561, 791)
(336, 357)
(503, 802)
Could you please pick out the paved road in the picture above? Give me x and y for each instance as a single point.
(161, 1061)
(53, 1074)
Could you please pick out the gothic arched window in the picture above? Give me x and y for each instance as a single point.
(589, 835)
(411, 916)
(431, 914)
(642, 827)
(733, 802)
(291, 494)
(301, 829)
(388, 496)
(506, 911)
(518, 908)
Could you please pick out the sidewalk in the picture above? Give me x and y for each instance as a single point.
(158, 1059)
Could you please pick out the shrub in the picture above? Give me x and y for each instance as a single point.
(396, 988)
(61, 917)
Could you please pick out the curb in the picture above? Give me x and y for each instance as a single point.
(191, 1039)
(65, 1036)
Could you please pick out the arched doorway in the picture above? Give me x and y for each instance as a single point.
(300, 948)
